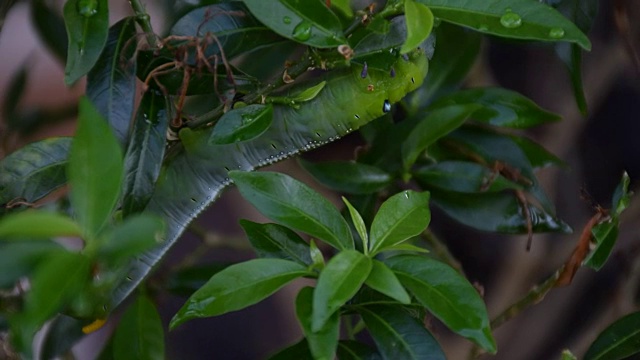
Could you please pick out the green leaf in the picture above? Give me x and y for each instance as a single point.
(618, 341)
(322, 343)
(500, 107)
(379, 50)
(358, 223)
(419, 24)
(111, 84)
(140, 334)
(567, 355)
(136, 234)
(398, 335)
(316, 255)
(435, 125)
(605, 235)
(447, 295)
(382, 279)
(19, 259)
(401, 217)
(284, 199)
(94, 170)
(407, 247)
(309, 22)
(309, 93)
(36, 224)
(63, 332)
(50, 28)
(297, 351)
(353, 350)
(496, 212)
(621, 195)
(15, 91)
(242, 124)
(344, 6)
(348, 176)
(87, 24)
(237, 287)
(538, 156)
(463, 177)
(276, 241)
(517, 19)
(338, 282)
(34, 171)
(145, 152)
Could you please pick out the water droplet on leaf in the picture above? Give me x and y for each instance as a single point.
(302, 31)
(88, 8)
(511, 20)
(556, 33)
(386, 107)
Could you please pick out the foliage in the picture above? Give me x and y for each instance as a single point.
(209, 117)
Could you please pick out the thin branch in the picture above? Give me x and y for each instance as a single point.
(144, 20)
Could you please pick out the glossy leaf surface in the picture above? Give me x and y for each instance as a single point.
(382, 279)
(464, 177)
(242, 124)
(358, 223)
(348, 176)
(605, 236)
(419, 24)
(140, 333)
(322, 343)
(353, 350)
(276, 241)
(50, 27)
(618, 341)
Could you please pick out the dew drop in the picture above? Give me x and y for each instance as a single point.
(511, 20)
(556, 33)
(406, 194)
(286, 20)
(302, 31)
(87, 8)
(386, 107)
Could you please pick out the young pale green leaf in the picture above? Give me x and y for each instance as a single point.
(344, 6)
(242, 124)
(276, 241)
(435, 125)
(538, 156)
(463, 177)
(50, 28)
(34, 224)
(145, 152)
(353, 350)
(322, 343)
(567, 355)
(338, 282)
(618, 341)
(605, 235)
(407, 247)
(308, 22)
(111, 84)
(87, 24)
(316, 255)
(517, 19)
(309, 93)
(136, 234)
(358, 223)
(140, 333)
(621, 196)
(500, 107)
(382, 279)
(348, 176)
(18, 259)
(237, 287)
(94, 170)
(398, 335)
(447, 295)
(34, 171)
(419, 24)
(292, 203)
(401, 217)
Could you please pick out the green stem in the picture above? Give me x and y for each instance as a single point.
(144, 20)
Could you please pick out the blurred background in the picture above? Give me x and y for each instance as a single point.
(598, 147)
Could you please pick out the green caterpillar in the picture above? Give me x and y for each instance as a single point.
(196, 175)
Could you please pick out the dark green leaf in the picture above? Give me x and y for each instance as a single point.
(447, 295)
(297, 351)
(294, 204)
(353, 350)
(111, 84)
(237, 287)
(322, 343)
(398, 335)
(34, 224)
(87, 24)
(419, 24)
(358, 223)
(50, 27)
(34, 171)
(518, 19)
(401, 217)
(338, 282)
(464, 177)
(382, 279)
(500, 107)
(377, 49)
(538, 156)
(186, 281)
(309, 22)
(140, 333)
(63, 332)
(145, 152)
(235, 29)
(605, 235)
(136, 234)
(500, 212)
(621, 196)
(242, 124)
(435, 125)
(618, 341)
(348, 176)
(94, 171)
(19, 259)
(15, 91)
(276, 241)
